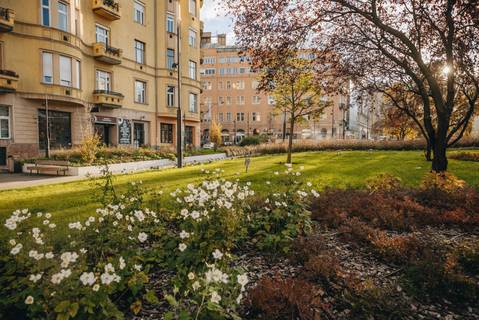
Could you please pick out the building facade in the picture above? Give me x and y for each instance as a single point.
(230, 97)
(365, 110)
(73, 67)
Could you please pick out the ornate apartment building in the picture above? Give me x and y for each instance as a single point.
(72, 67)
(231, 98)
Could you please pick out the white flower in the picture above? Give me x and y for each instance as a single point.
(88, 278)
(276, 173)
(142, 237)
(243, 279)
(215, 297)
(191, 275)
(217, 254)
(137, 267)
(15, 250)
(12, 242)
(49, 255)
(182, 247)
(196, 285)
(122, 263)
(184, 234)
(29, 300)
(35, 277)
(96, 287)
(309, 184)
(83, 250)
(195, 215)
(52, 226)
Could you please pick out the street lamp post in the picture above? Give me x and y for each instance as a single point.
(179, 114)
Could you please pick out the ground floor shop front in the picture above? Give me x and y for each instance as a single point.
(28, 126)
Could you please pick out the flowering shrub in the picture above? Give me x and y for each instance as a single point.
(100, 260)
(465, 156)
(210, 222)
(282, 216)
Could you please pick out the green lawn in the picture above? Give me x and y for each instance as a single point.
(69, 201)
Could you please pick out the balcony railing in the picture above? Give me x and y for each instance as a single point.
(108, 99)
(105, 53)
(8, 81)
(108, 9)
(7, 19)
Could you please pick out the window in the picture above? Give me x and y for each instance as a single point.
(46, 13)
(188, 135)
(240, 85)
(192, 38)
(209, 60)
(102, 34)
(65, 71)
(103, 80)
(139, 15)
(170, 23)
(140, 91)
(193, 7)
(59, 125)
(170, 96)
(256, 116)
(140, 52)
(240, 116)
(228, 100)
(228, 85)
(193, 102)
(192, 67)
(166, 133)
(254, 84)
(256, 99)
(206, 85)
(271, 100)
(209, 71)
(77, 74)
(170, 58)
(228, 116)
(220, 85)
(221, 100)
(47, 60)
(4, 122)
(240, 99)
(220, 117)
(62, 16)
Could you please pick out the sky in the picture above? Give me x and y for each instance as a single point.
(216, 21)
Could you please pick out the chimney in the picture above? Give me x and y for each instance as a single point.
(222, 39)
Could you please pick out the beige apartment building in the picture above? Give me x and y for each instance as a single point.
(104, 66)
(230, 97)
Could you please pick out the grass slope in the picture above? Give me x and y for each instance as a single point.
(69, 201)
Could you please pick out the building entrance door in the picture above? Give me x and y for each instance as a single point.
(139, 133)
(103, 131)
(3, 156)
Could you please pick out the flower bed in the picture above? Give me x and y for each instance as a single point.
(304, 146)
(220, 249)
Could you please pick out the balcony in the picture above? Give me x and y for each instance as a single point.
(8, 81)
(107, 99)
(108, 9)
(7, 19)
(104, 53)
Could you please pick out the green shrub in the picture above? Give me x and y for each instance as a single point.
(281, 217)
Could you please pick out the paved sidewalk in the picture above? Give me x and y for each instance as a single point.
(9, 181)
(22, 180)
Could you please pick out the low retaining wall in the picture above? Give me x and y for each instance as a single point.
(128, 167)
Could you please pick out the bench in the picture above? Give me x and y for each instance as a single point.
(50, 166)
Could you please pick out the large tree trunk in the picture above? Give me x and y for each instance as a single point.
(439, 161)
(290, 142)
(428, 152)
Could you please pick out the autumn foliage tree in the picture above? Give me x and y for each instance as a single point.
(431, 44)
(215, 134)
(296, 92)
